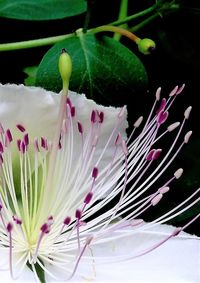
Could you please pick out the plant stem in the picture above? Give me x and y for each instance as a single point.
(119, 30)
(144, 23)
(122, 14)
(55, 39)
(34, 42)
(134, 16)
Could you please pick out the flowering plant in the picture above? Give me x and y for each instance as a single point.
(56, 180)
(82, 194)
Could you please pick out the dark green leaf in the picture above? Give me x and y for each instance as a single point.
(41, 9)
(103, 69)
(31, 78)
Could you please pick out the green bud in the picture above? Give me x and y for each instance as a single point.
(65, 68)
(146, 45)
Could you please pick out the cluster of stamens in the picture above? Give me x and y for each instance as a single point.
(51, 215)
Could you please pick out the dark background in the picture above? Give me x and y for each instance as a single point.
(176, 60)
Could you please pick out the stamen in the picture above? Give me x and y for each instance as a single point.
(178, 173)
(138, 122)
(162, 106)
(26, 139)
(180, 89)
(45, 229)
(21, 128)
(17, 220)
(162, 117)
(173, 126)
(93, 117)
(87, 243)
(187, 112)
(95, 172)
(9, 230)
(156, 199)
(174, 91)
(88, 198)
(1, 147)
(158, 91)
(187, 136)
(8, 137)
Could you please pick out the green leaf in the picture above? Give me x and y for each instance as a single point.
(41, 9)
(31, 71)
(103, 69)
(39, 271)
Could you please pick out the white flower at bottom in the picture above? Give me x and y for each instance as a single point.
(60, 182)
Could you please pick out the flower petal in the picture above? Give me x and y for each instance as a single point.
(177, 261)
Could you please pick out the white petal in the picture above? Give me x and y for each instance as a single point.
(177, 261)
(37, 109)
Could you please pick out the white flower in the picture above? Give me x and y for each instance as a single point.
(62, 168)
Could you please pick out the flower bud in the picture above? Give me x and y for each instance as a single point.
(65, 68)
(146, 45)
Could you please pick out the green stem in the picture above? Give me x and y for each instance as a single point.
(122, 14)
(135, 16)
(119, 30)
(144, 23)
(34, 42)
(55, 39)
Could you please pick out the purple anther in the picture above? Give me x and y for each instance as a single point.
(43, 142)
(22, 147)
(88, 198)
(73, 111)
(95, 172)
(26, 139)
(67, 220)
(1, 206)
(21, 128)
(78, 214)
(9, 136)
(9, 227)
(93, 116)
(68, 101)
(162, 105)
(1, 159)
(17, 220)
(150, 154)
(1, 147)
(45, 228)
(162, 117)
(101, 117)
(19, 144)
(156, 154)
(80, 127)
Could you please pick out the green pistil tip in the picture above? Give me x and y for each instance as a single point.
(146, 45)
(65, 69)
